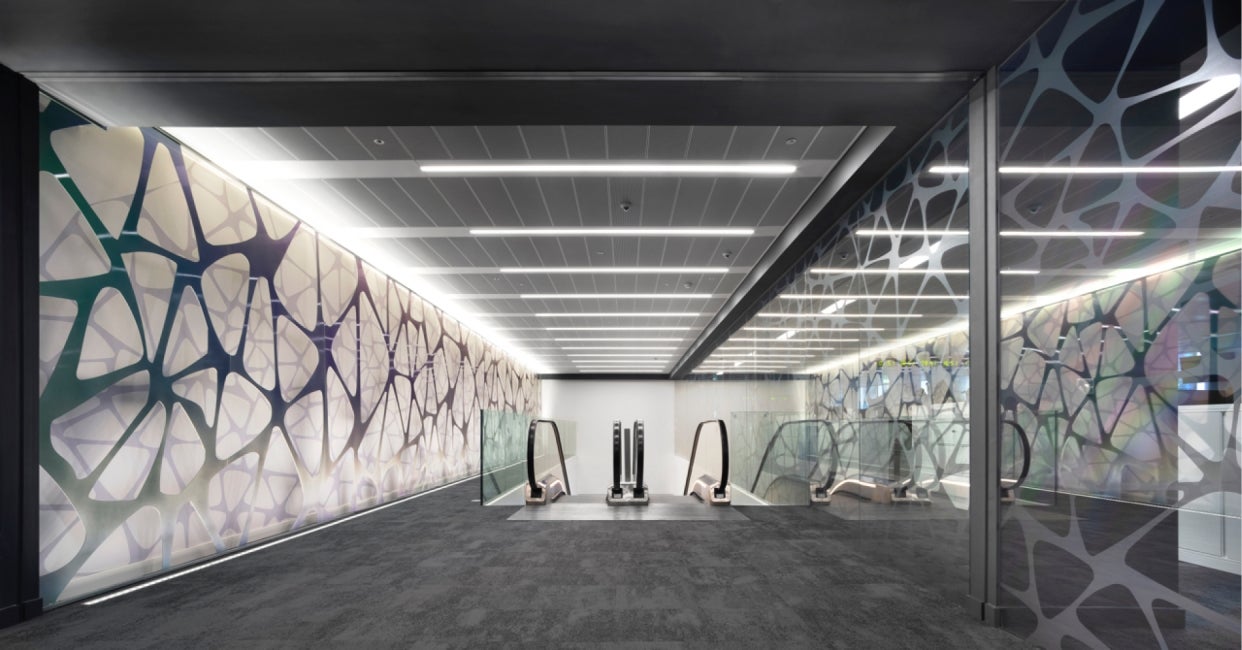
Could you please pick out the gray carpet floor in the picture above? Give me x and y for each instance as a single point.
(442, 572)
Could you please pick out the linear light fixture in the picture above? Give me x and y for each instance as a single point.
(787, 341)
(615, 296)
(603, 355)
(761, 354)
(1076, 234)
(620, 270)
(782, 349)
(895, 296)
(880, 232)
(618, 314)
(1019, 272)
(1107, 170)
(614, 169)
(813, 329)
(636, 371)
(263, 546)
(621, 362)
(621, 328)
(615, 339)
(612, 232)
(782, 314)
(1205, 94)
(875, 271)
(618, 347)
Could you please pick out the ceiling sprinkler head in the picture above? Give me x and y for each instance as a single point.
(379, 141)
(625, 206)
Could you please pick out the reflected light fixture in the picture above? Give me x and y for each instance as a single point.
(1205, 94)
(948, 169)
(837, 306)
(880, 232)
(1039, 234)
(1106, 170)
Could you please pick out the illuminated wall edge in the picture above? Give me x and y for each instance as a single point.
(213, 372)
(207, 144)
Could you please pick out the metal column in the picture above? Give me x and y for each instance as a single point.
(984, 352)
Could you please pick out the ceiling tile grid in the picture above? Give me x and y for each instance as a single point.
(370, 187)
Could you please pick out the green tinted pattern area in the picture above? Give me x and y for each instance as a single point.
(504, 452)
(213, 372)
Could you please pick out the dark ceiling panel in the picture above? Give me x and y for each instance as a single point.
(709, 35)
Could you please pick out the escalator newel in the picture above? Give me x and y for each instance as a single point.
(628, 488)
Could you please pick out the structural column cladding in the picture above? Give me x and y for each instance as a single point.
(19, 287)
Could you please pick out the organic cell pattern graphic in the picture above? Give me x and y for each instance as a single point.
(213, 372)
(898, 376)
(1096, 554)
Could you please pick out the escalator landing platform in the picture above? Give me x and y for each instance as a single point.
(663, 507)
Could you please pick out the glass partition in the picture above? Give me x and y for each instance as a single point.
(1120, 355)
(503, 453)
(548, 455)
(874, 328)
(764, 454)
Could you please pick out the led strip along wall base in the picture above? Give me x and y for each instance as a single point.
(261, 547)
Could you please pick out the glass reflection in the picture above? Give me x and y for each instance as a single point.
(1119, 185)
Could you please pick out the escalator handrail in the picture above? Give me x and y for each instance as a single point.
(724, 454)
(771, 443)
(535, 490)
(616, 455)
(639, 434)
(1026, 453)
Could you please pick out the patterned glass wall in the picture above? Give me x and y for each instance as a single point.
(1120, 352)
(877, 316)
(213, 372)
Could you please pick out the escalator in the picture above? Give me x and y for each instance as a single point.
(709, 489)
(800, 466)
(628, 447)
(551, 486)
(879, 462)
